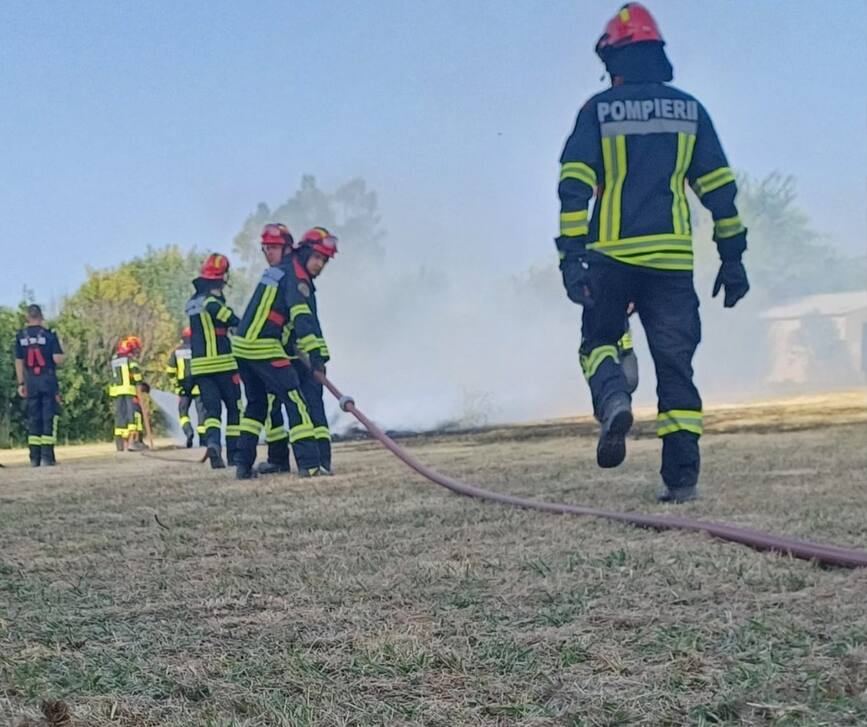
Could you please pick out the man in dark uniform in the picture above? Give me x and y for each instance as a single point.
(178, 369)
(634, 147)
(313, 251)
(281, 297)
(37, 354)
(213, 366)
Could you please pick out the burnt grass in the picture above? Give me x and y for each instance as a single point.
(149, 592)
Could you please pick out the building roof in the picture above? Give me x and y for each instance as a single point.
(825, 304)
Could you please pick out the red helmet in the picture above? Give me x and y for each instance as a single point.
(132, 343)
(632, 24)
(215, 267)
(122, 348)
(320, 240)
(187, 332)
(276, 233)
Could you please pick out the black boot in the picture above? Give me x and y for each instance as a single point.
(216, 457)
(616, 422)
(188, 433)
(48, 455)
(278, 458)
(678, 495)
(118, 444)
(244, 471)
(35, 455)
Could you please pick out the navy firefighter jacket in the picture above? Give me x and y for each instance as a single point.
(633, 148)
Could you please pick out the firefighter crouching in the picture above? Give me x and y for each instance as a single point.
(313, 251)
(212, 364)
(37, 354)
(634, 147)
(178, 369)
(281, 298)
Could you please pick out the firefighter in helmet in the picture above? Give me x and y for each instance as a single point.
(37, 355)
(128, 390)
(178, 369)
(634, 147)
(212, 364)
(315, 248)
(281, 297)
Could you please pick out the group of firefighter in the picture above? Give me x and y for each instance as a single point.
(634, 148)
(275, 350)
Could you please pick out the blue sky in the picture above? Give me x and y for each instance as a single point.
(127, 124)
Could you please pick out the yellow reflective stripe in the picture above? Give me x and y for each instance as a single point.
(260, 349)
(212, 422)
(209, 335)
(297, 310)
(266, 302)
(662, 252)
(233, 430)
(677, 420)
(614, 160)
(573, 224)
(276, 434)
(728, 227)
(184, 420)
(713, 180)
(214, 365)
(304, 430)
(121, 390)
(224, 314)
(34, 440)
(679, 206)
(593, 360)
(250, 426)
(120, 432)
(308, 343)
(625, 342)
(322, 433)
(579, 171)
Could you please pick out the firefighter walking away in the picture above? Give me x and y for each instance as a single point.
(37, 355)
(634, 148)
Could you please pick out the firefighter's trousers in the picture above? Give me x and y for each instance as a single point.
(218, 390)
(667, 305)
(185, 401)
(311, 390)
(42, 416)
(275, 377)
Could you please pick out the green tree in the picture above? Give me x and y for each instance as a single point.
(350, 212)
(144, 297)
(786, 257)
(12, 423)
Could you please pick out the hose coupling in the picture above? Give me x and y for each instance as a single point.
(345, 402)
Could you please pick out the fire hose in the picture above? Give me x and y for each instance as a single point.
(826, 554)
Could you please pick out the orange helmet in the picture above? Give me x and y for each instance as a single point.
(632, 24)
(320, 240)
(121, 347)
(215, 267)
(276, 233)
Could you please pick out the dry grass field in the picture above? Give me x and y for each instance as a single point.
(150, 592)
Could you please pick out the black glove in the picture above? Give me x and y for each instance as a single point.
(733, 277)
(317, 363)
(576, 279)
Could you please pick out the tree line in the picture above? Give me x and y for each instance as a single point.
(146, 295)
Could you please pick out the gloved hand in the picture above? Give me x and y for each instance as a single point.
(317, 363)
(576, 279)
(733, 277)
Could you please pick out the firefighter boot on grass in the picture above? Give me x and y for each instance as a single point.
(215, 457)
(616, 422)
(678, 495)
